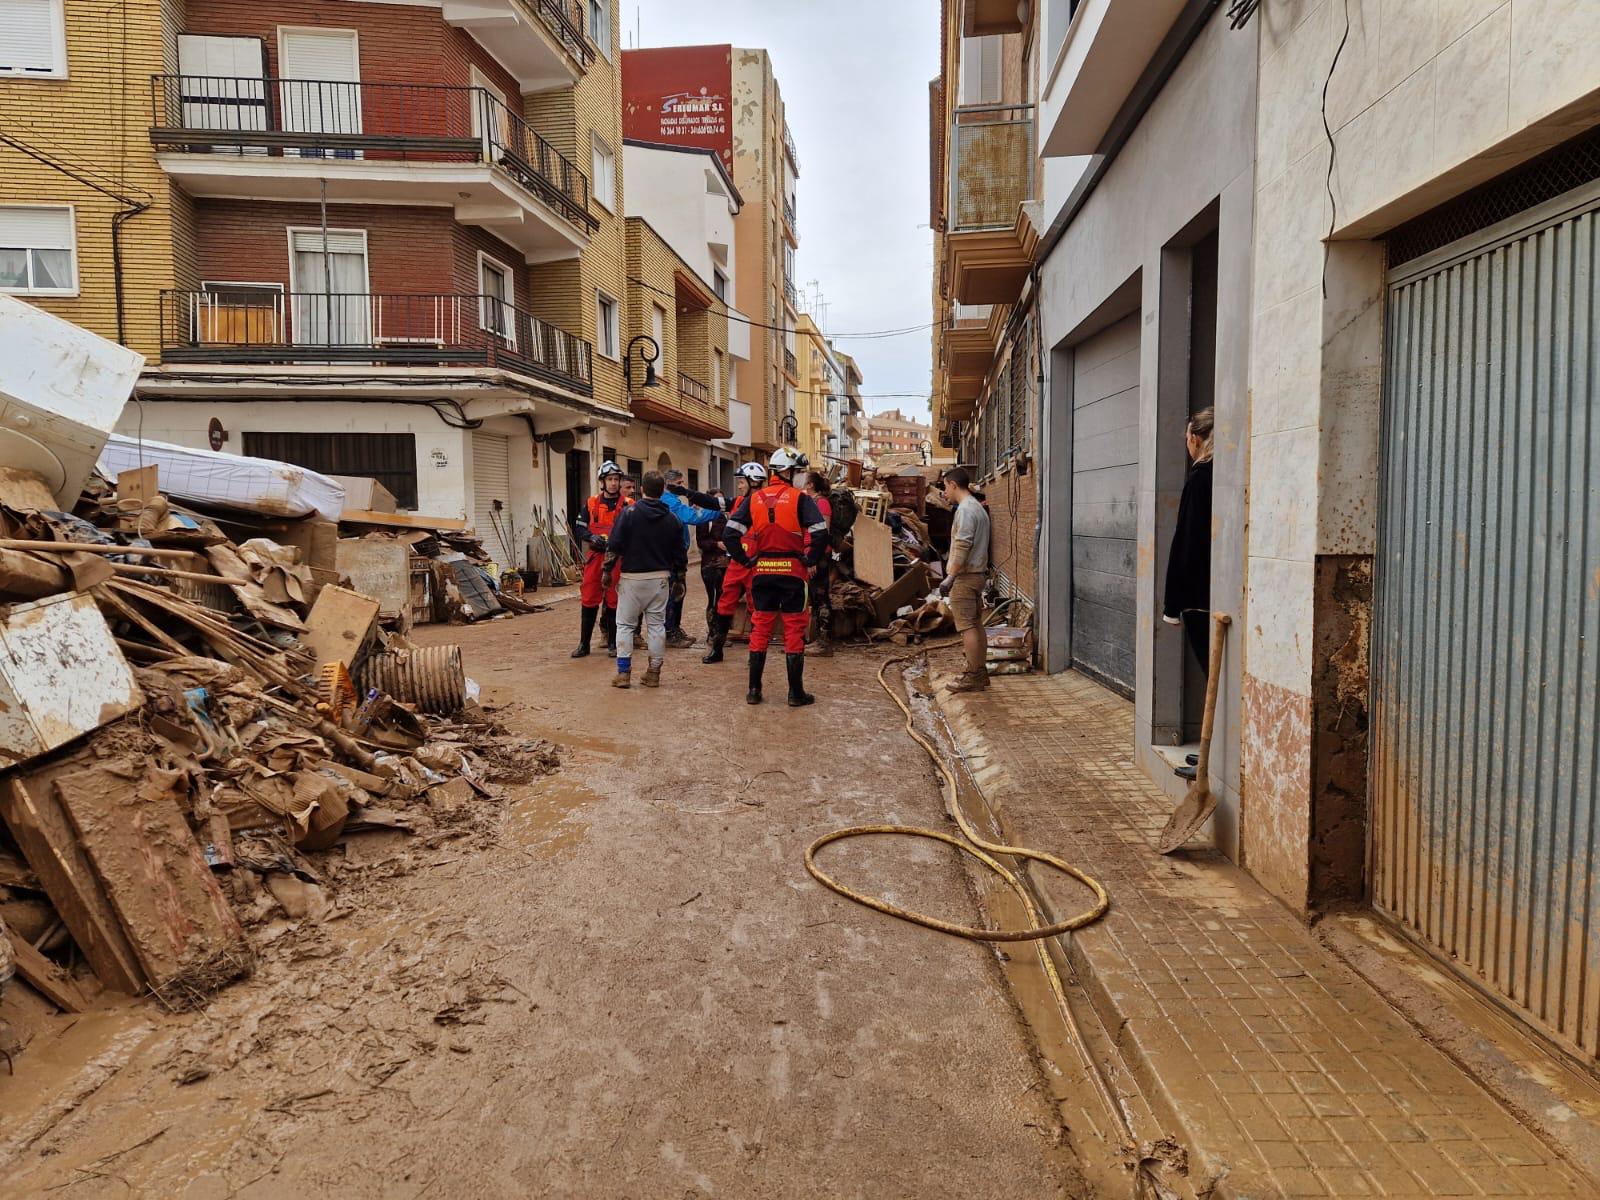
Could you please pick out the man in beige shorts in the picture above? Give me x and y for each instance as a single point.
(964, 576)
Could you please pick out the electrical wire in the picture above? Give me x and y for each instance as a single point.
(1333, 150)
(877, 333)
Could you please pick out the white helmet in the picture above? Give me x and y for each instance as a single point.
(609, 468)
(784, 459)
(754, 472)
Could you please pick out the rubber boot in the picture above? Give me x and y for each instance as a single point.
(717, 635)
(652, 674)
(758, 665)
(798, 696)
(586, 632)
(608, 626)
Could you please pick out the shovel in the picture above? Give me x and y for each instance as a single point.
(1198, 803)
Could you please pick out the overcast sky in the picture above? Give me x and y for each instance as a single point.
(854, 76)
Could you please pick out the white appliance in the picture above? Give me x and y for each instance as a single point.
(62, 390)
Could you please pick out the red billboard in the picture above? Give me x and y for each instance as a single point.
(680, 96)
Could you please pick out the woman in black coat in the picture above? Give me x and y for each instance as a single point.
(1187, 599)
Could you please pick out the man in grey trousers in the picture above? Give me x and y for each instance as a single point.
(648, 541)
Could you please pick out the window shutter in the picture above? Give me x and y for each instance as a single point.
(36, 228)
(330, 56)
(309, 241)
(28, 37)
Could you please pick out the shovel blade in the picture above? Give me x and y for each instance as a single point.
(1198, 804)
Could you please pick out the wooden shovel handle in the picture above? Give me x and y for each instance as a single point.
(1219, 628)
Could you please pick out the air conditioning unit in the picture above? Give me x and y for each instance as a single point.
(62, 390)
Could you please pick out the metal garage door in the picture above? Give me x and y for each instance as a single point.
(1105, 502)
(491, 482)
(1487, 633)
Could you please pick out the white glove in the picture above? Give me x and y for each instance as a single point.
(1171, 620)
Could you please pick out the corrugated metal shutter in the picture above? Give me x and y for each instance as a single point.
(1486, 644)
(491, 481)
(28, 38)
(1105, 502)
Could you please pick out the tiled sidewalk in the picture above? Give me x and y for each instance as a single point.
(1285, 1073)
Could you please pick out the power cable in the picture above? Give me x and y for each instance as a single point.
(1333, 150)
(877, 333)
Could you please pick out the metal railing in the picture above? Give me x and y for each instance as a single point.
(979, 313)
(691, 388)
(432, 329)
(788, 215)
(564, 20)
(790, 294)
(991, 165)
(789, 363)
(788, 146)
(386, 122)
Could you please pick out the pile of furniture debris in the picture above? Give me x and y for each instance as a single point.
(193, 713)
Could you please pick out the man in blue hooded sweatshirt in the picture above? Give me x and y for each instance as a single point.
(691, 508)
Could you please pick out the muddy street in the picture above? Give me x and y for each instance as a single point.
(628, 987)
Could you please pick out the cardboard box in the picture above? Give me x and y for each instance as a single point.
(365, 495)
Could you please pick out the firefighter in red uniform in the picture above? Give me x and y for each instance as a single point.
(777, 521)
(593, 527)
(736, 579)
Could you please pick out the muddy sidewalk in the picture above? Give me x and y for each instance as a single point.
(630, 987)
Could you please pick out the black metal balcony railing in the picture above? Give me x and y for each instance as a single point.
(789, 363)
(788, 215)
(790, 295)
(396, 330)
(788, 145)
(691, 388)
(385, 122)
(991, 166)
(564, 20)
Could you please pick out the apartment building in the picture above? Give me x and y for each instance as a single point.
(854, 424)
(893, 432)
(986, 221)
(687, 196)
(820, 400)
(1367, 246)
(726, 98)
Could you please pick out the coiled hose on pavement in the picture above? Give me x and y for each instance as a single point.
(984, 851)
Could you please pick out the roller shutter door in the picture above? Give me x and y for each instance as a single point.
(491, 482)
(1485, 842)
(1105, 502)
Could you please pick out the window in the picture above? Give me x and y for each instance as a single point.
(605, 325)
(636, 468)
(694, 479)
(33, 39)
(980, 70)
(608, 454)
(600, 25)
(37, 251)
(719, 284)
(390, 458)
(496, 297)
(604, 187)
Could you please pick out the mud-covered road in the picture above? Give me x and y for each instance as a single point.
(631, 988)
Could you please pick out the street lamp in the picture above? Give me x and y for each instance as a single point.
(789, 429)
(648, 358)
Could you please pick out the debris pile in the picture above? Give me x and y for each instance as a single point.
(190, 724)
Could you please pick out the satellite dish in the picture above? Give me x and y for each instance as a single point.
(561, 442)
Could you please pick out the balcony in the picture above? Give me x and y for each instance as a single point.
(790, 227)
(541, 42)
(991, 179)
(1098, 51)
(983, 18)
(788, 148)
(791, 368)
(257, 326)
(694, 413)
(790, 295)
(281, 139)
(969, 343)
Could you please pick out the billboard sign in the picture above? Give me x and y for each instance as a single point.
(680, 96)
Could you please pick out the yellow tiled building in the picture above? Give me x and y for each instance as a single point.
(86, 215)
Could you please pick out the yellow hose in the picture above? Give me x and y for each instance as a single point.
(983, 850)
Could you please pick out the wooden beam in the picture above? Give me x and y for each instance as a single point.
(359, 516)
(49, 980)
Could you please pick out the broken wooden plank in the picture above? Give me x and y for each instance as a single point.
(139, 483)
(874, 551)
(356, 516)
(177, 920)
(40, 827)
(90, 548)
(49, 980)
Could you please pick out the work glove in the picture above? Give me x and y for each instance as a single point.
(679, 589)
(744, 560)
(598, 541)
(945, 584)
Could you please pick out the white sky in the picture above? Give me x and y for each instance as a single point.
(854, 75)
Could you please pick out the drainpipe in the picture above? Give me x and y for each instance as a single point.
(127, 214)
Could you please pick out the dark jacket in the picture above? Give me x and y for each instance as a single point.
(647, 537)
(1189, 564)
(713, 554)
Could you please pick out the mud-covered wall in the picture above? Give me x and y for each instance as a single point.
(1340, 681)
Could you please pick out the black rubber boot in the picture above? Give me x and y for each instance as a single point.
(717, 636)
(587, 632)
(758, 666)
(798, 696)
(608, 626)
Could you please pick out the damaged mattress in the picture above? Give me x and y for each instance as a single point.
(258, 485)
